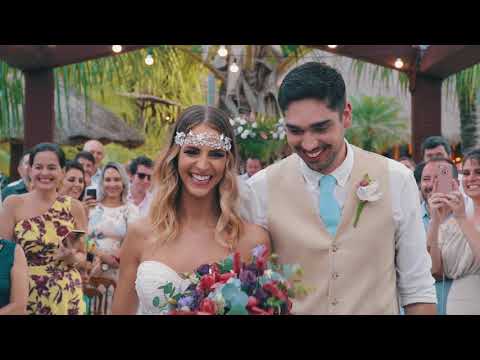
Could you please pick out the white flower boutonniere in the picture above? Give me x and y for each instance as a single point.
(367, 191)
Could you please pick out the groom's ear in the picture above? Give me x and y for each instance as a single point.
(347, 116)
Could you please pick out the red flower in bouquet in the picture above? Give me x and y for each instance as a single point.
(206, 282)
(208, 306)
(237, 263)
(273, 289)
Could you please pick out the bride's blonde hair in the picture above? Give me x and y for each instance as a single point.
(163, 212)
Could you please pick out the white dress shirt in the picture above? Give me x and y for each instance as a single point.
(414, 280)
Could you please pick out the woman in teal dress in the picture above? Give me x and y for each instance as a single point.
(13, 279)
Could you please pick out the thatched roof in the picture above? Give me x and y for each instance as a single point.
(80, 124)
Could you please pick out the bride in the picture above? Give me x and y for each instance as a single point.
(193, 219)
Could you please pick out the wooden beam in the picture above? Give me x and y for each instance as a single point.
(35, 57)
(426, 112)
(383, 55)
(39, 121)
(441, 61)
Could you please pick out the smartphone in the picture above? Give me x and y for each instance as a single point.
(445, 178)
(91, 193)
(72, 237)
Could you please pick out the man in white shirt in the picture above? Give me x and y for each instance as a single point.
(308, 202)
(96, 148)
(141, 170)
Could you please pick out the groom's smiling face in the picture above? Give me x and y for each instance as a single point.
(316, 133)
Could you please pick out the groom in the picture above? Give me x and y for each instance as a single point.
(308, 202)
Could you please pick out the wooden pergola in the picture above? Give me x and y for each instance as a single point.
(426, 69)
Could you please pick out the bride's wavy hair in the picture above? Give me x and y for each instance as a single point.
(163, 212)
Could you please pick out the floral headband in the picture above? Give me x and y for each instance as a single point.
(204, 139)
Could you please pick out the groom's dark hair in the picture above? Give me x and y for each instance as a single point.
(313, 80)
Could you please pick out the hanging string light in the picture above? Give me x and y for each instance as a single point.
(149, 58)
(234, 67)
(222, 51)
(117, 48)
(399, 63)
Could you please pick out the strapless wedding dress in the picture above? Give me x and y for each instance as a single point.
(150, 276)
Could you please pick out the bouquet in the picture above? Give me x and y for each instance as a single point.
(232, 287)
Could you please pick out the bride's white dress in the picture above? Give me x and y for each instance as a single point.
(150, 276)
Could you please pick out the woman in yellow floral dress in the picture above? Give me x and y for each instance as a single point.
(38, 221)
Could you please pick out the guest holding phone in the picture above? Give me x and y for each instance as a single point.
(39, 222)
(108, 221)
(454, 238)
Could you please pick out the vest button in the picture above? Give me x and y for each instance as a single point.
(334, 302)
(335, 275)
(334, 248)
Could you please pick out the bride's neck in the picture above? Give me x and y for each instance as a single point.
(202, 211)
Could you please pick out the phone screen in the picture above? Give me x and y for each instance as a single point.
(91, 193)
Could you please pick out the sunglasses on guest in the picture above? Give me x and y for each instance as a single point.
(142, 176)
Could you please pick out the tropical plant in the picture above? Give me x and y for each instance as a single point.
(465, 84)
(377, 123)
(253, 88)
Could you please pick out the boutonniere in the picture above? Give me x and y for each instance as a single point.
(367, 191)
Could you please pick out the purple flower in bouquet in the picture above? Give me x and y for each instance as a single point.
(186, 301)
(203, 269)
(252, 268)
(249, 280)
(261, 295)
(258, 251)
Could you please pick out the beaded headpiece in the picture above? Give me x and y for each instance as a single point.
(204, 139)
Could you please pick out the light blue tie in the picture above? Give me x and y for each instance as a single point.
(329, 208)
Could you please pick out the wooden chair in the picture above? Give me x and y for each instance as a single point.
(96, 300)
(97, 289)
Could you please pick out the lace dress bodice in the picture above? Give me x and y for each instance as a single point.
(150, 276)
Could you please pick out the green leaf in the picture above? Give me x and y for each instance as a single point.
(167, 289)
(226, 265)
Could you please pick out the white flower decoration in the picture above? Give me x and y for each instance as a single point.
(369, 192)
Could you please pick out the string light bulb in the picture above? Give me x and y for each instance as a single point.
(117, 48)
(234, 67)
(222, 51)
(149, 58)
(399, 63)
(332, 46)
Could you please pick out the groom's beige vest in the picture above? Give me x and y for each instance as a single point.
(353, 273)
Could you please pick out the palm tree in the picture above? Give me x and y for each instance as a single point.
(253, 88)
(377, 123)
